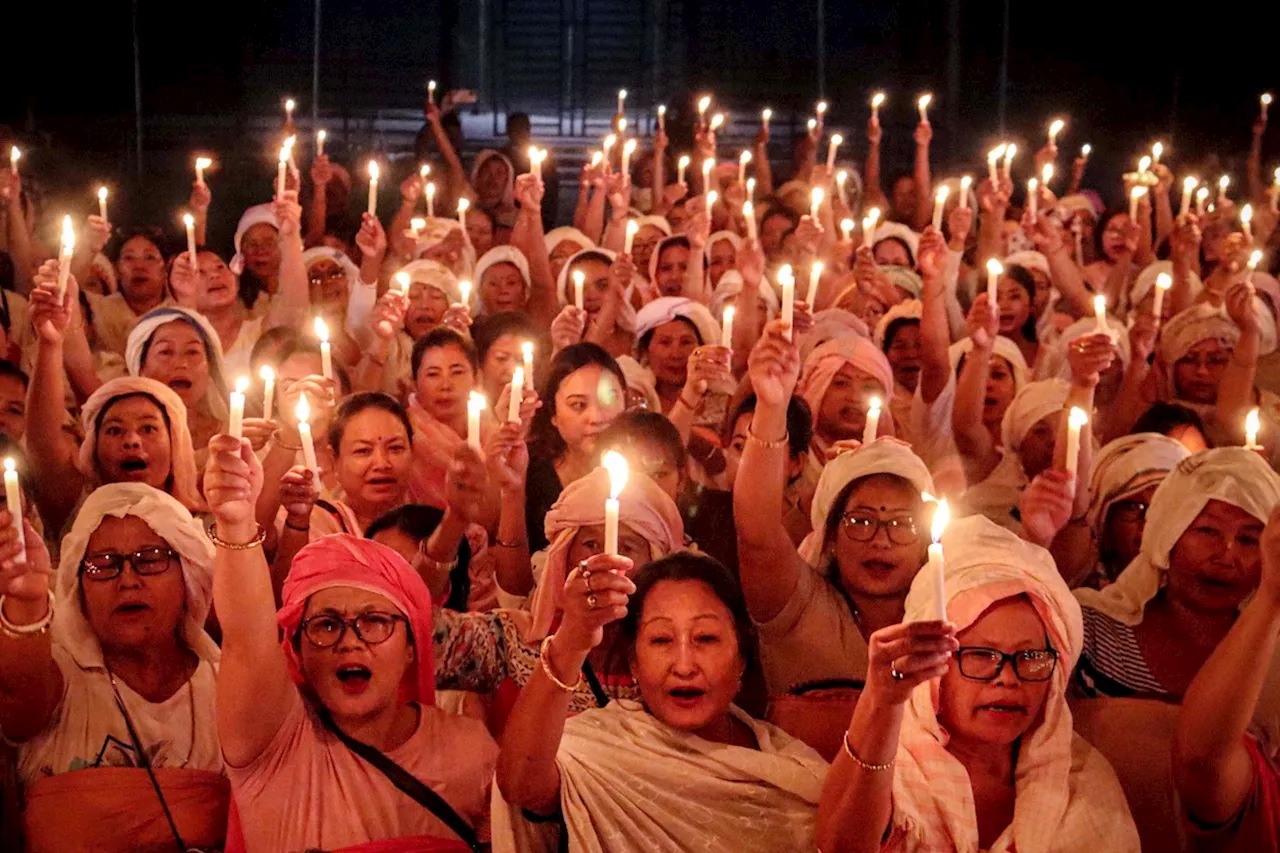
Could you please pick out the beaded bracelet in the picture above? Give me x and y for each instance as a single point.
(870, 768)
(231, 546)
(546, 669)
(19, 631)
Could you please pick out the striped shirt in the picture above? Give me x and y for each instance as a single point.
(1111, 663)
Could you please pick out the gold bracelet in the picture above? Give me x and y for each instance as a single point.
(870, 768)
(40, 626)
(752, 438)
(546, 670)
(231, 546)
(280, 442)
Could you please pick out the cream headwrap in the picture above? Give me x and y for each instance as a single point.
(171, 521)
(829, 324)
(1067, 798)
(1003, 347)
(259, 214)
(508, 191)
(907, 309)
(145, 327)
(734, 240)
(665, 309)
(1055, 363)
(898, 231)
(627, 316)
(822, 365)
(731, 285)
(182, 459)
(434, 233)
(1146, 282)
(659, 222)
(327, 253)
(1127, 466)
(1030, 260)
(1030, 405)
(1198, 323)
(564, 233)
(656, 255)
(435, 275)
(493, 257)
(905, 279)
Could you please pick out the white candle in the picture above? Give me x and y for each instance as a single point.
(282, 171)
(416, 225)
(939, 203)
(995, 269)
(815, 277)
(431, 91)
(622, 101)
(1164, 281)
(463, 204)
(1085, 151)
(1188, 190)
(726, 327)
(607, 146)
(400, 281)
(712, 198)
(268, 377)
(704, 103)
(373, 188)
(627, 151)
(1275, 193)
(681, 166)
(1033, 192)
(13, 501)
(937, 563)
(1100, 312)
(662, 117)
(535, 165)
(765, 115)
(923, 105)
(304, 432)
(321, 136)
(846, 228)
(993, 161)
(877, 100)
(326, 353)
(1134, 195)
(464, 291)
(1009, 153)
(632, 228)
(751, 189)
(102, 202)
(1054, 129)
(64, 258)
(475, 405)
(869, 226)
(749, 215)
(1046, 175)
(526, 352)
(235, 424)
(189, 222)
(431, 200)
(965, 183)
(707, 165)
(872, 428)
(1246, 222)
(788, 282)
(836, 141)
(1075, 422)
(616, 464)
(1223, 183)
(202, 163)
(579, 282)
(1251, 424)
(717, 121)
(1202, 195)
(517, 395)
(815, 203)
(1265, 101)
(1144, 164)
(743, 159)
(14, 156)
(289, 105)
(842, 178)
(1156, 151)
(1255, 258)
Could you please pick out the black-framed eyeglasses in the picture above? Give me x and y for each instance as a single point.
(326, 630)
(863, 528)
(145, 562)
(979, 663)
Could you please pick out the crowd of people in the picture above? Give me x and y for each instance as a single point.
(960, 532)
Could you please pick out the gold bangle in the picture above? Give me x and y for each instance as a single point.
(277, 440)
(870, 768)
(231, 546)
(546, 670)
(752, 438)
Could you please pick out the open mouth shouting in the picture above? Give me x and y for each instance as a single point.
(354, 678)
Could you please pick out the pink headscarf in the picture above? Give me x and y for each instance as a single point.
(643, 507)
(822, 365)
(182, 458)
(344, 560)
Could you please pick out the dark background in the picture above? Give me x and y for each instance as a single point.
(213, 77)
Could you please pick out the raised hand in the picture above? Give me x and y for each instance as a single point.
(507, 456)
(232, 482)
(568, 327)
(983, 321)
(49, 317)
(774, 366)
(902, 656)
(465, 483)
(299, 492)
(25, 584)
(1046, 506)
(595, 594)
(371, 239)
(1089, 357)
(289, 214)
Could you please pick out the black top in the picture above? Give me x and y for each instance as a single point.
(541, 490)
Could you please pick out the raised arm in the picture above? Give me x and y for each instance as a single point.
(93, 236)
(528, 237)
(291, 303)
(318, 212)
(760, 159)
(974, 441)
(924, 187)
(935, 330)
(18, 238)
(1236, 388)
(31, 685)
(872, 193)
(457, 174)
(507, 455)
(993, 202)
(1051, 239)
(371, 239)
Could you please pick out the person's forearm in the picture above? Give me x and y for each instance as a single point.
(871, 188)
(758, 505)
(1073, 552)
(976, 444)
(764, 172)
(527, 774)
(857, 803)
(1079, 395)
(580, 207)
(1235, 389)
(924, 189)
(1070, 283)
(1164, 217)
(275, 464)
(400, 222)
(442, 544)
(683, 415)
(528, 237)
(935, 340)
(593, 225)
(370, 373)
(317, 214)
(294, 295)
(51, 453)
(695, 276)
(290, 542)
(659, 175)
(78, 360)
(30, 683)
(1254, 185)
(21, 252)
(457, 174)
(514, 570)
(1130, 402)
(746, 326)
(1182, 295)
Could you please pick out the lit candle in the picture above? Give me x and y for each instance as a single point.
(202, 163)
(813, 126)
(1265, 100)
(751, 189)
(993, 164)
(965, 183)
(579, 282)
(304, 432)
(400, 281)
(627, 151)
(464, 291)
(607, 146)
(815, 276)
(326, 352)
(1157, 151)
(937, 563)
(268, 377)
(788, 282)
(765, 115)
(1246, 222)
(622, 127)
(622, 101)
(662, 117)
(517, 395)
(820, 110)
(416, 224)
(923, 106)
(939, 203)
(1255, 258)
(1134, 195)
(1046, 175)
(526, 352)
(1164, 281)
(743, 159)
(1275, 193)
(842, 178)
(632, 228)
(535, 166)
(282, 171)
(726, 327)
(321, 136)
(815, 203)
(13, 501)
(846, 228)
(102, 203)
(1188, 190)
(707, 165)
(64, 259)
(712, 198)
(1202, 195)
(995, 269)
(1252, 422)
(463, 204)
(704, 103)
(235, 424)
(475, 405)
(836, 141)
(431, 91)
(431, 199)
(1055, 127)
(1144, 164)
(749, 214)
(1075, 422)
(190, 222)
(289, 105)
(1223, 183)
(877, 100)
(1033, 192)
(616, 464)
(1009, 153)
(373, 188)
(1100, 311)
(1085, 151)
(14, 156)
(869, 226)
(872, 428)
(681, 166)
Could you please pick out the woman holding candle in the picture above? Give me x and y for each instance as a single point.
(608, 317)
(1119, 243)
(985, 756)
(669, 265)
(838, 382)
(563, 243)
(677, 342)
(140, 269)
(897, 334)
(499, 339)
(121, 686)
(722, 255)
(502, 274)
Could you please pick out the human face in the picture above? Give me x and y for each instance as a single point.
(502, 289)
(1217, 561)
(1197, 374)
(673, 263)
(1036, 449)
(1000, 391)
(491, 182)
(1122, 529)
(445, 378)
(772, 230)
(560, 255)
(723, 257)
(642, 246)
(1000, 711)
(222, 288)
(1044, 289)
(260, 247)
(1015, 306)
(13, 407)
(589, 541)
(904, 199)
(669, 350)
(141, 268)
(843, 412)
(677, 216)
(595, 284)
(133, 444)
(655, 461)
(177, 358)
(904, 355)
(686, 661)
(1113, 236)
(353, 679)
(891, 253)
(587, 401)
(373, 460)
(480, 230)
(426, 309)
(881, 568)
(329, 285)
(131, 611)
(500, 362)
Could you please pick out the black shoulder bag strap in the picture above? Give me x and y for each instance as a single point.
(597, 689)
(406, 782)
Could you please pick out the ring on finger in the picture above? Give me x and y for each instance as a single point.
(893, 672)
(591, 600)
(586, 576)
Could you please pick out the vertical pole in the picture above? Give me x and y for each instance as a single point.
(315, 72)
(137, 89)
(1004, 68)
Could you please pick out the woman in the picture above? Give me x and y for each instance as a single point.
(309, 721)
(984, 758)
(608, 317)
(895, 245)
(493, 182)
(815, 607)
(898, 336)
(499, 339)
(722, 255)
(630, 775)
(258, 252)
(668, 331)
(839, 381)
(340, 294)
(565, 242)
(116, 699)
(502, 276)
(669, 265)
(652, 230)
(398, 321)
(1016, 302)
(141, 271)
(1115, 240)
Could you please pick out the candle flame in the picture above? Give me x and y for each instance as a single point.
(744, 157)
(924, 101)
(846, 225)
(1046, 173)
(476, 402)
(1246, 214)
(463, 204)
(874, 407)
(321, 329)
(994, 267)
(785, 276)
(188, 220)
(1100, 305)
(1032, 185)
(943, 192)
(1224, 182)
(707, 165)
(821, 108)
(712, 197)
(322, 134)
(1078, 418)
(717, 121)
(303, 411)
(431, 190)
(596, 157)
(966, 182)
(877, 100)
(1156, 151)
(996, 153)
(417, 223)
(703, 103)
(941, 518)
(1086, 150)
(1010, 152)
(205, 162)
(402, 281)
(1266, 98)
(1255, 258)
(1056, 127)
(14, 155)
(1202, 193)
(290, 104)
(102, 193)
(684, 161)
(727, 317)
(622, 94)
(837, 140)
(1164, 281)
(609, 142)
(266, 374)
(1144, 163)
(622, 125)
(464, 289)
(1137, 192)
(9, 464)
(630, 147)
(68, 234)
(662, 109)
(242, 384)
(816, 196)
(1189, 183)
(873, 215)
(1252, 423)
(813, 123)
(616, 464)
(766, 114)
(289, 142)
(842, 177)
(748, 209)
(751, 185)
(632, 227)
(373, 170)
(526, 350)
(284, 153)
(424, 171)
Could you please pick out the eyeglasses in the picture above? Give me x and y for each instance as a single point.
(145, 562)
(321, 276)
(326, 630)
(979, 663)
(862, 528)
(1129, 512)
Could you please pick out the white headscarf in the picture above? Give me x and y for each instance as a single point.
(667, 308)
(730, 287)
(146, 326)
(327, 253)
(493, 257)
(627, 316)
(734, 240)
(1030, 405)
(829, 324)
(508, 192)
(896, 230)
(907, 309)
(556, 236)
(1146, 282)
(1003, 347)
(1030, 260)
(437, 228)
(1055, 363)
(435, 275)
(1127, 466)
(259, 214)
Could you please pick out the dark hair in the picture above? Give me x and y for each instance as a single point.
(439, 338)
(831, 525)
(911, 256)
(544, 437)
(685, 566)
(151, 234)
(891, 331)
(8, 368)
(351, 406)
(282, 336)
(1164, 418)
(164, 414)
(518, 122)
(488, 328)
(643, 425)
(799, 422)
(777, 208)
(1027, 282)
(309, 346)
(418, 522)
(642, 346)
(1103, 221)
